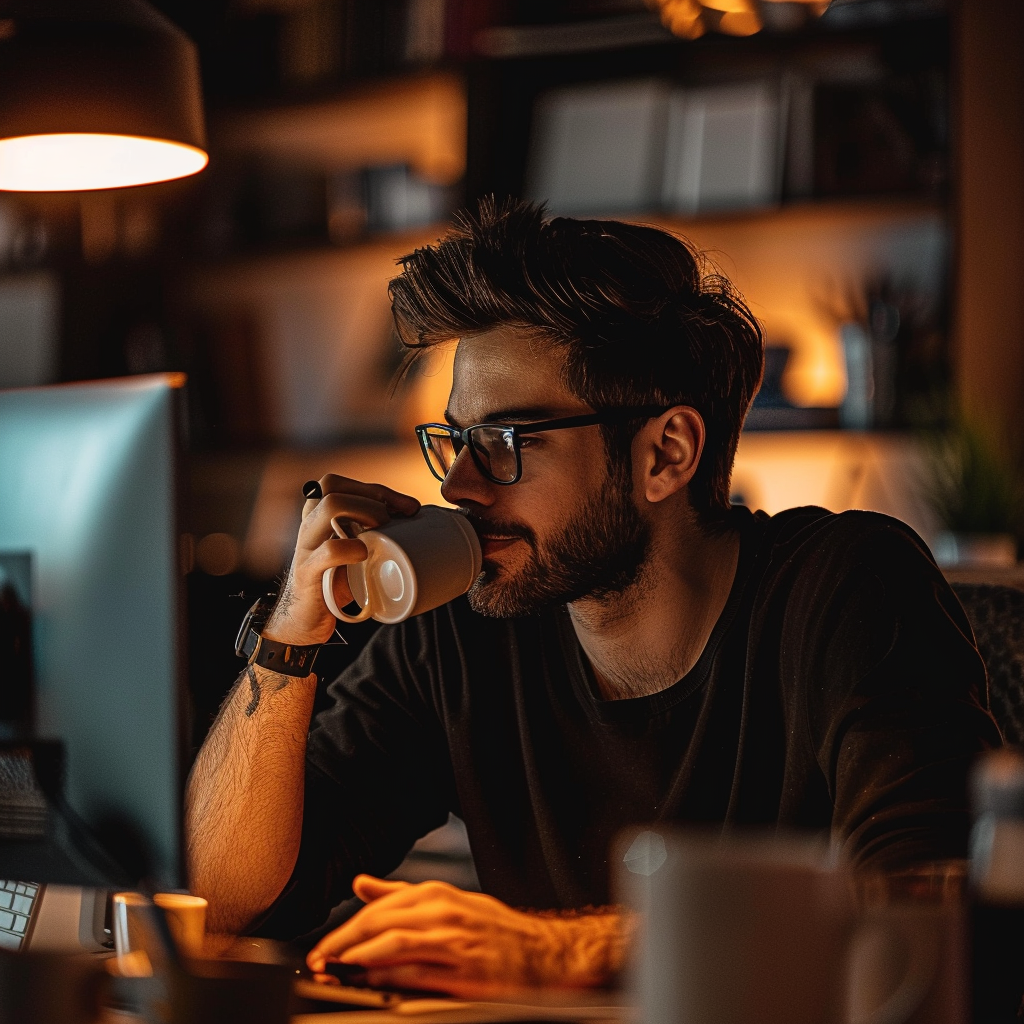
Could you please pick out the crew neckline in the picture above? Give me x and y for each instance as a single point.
(653, 704)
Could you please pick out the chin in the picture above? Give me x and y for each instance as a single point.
(485, 596)
(498, 598)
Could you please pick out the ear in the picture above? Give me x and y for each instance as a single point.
(667, 451)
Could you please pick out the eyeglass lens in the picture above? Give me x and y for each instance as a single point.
(496, 452)
(439, 448)
(493, 451)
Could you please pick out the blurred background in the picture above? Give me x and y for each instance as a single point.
(857, 169)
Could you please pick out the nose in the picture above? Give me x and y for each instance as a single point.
(465, 483)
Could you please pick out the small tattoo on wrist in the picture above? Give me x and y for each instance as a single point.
(254, 689)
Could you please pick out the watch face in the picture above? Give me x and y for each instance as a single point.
(278, 657)
(255, 619)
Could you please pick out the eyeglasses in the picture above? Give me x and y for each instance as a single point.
(496, 447)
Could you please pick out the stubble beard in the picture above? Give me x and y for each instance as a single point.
(599, 552)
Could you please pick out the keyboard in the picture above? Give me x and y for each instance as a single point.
(17, 900)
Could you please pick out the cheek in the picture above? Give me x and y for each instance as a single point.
(575, 464)
(550, 500)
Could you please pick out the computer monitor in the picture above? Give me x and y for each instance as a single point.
(88, 542)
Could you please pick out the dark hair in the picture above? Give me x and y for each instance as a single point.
(642, 320)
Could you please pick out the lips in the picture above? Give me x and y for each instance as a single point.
(493, 536)
(492, 545)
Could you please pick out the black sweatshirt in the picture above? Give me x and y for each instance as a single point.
(839, 691)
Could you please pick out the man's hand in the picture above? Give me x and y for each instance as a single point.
(301, 616)
(433, 936)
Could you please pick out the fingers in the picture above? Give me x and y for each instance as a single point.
(436, 937)
(342, 943)
(326, 979)
(336, 552)
(318, 524)
(368, 888)
(360, 926)
(439, 946)
(394, 501)
(400, 906)
(325, 541)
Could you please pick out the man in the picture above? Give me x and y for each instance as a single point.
(635, 650)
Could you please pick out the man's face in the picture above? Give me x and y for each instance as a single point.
(570, 528)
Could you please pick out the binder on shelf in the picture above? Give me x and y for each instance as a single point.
(643, 144)
(599, 148)
(724, 148)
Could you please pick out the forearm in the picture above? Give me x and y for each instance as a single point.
(582, 949)
(244, 800)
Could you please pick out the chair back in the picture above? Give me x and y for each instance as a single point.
(996, 613)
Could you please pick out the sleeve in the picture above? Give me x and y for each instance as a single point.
(378, 776)
(898, 701)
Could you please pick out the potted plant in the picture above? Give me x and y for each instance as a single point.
(973, 486)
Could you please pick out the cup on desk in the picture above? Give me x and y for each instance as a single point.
(767, 931)
(247, 982)
(186, 920)
(232, 992)
(413, 564)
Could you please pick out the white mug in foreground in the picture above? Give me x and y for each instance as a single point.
(747, 931)
(412, 565)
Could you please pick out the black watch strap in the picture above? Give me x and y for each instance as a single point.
(288, 659)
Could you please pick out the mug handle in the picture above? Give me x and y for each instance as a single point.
(328, 585)
(923, 949)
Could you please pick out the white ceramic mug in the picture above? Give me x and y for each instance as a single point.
(763, 932)
(413, 564)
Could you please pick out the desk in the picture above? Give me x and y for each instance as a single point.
(451, 1011)
(445, 1011)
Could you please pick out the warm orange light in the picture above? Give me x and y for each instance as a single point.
(729, 6)
(739, 23)
(78, 162)
(691, 18)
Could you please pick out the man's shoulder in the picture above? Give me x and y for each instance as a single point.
(814, 541)
(813, 527)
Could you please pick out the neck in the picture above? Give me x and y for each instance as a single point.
(649, 636)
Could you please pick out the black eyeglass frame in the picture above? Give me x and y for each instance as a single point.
(460, 438)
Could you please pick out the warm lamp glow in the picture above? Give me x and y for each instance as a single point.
(81, 161)
(690, 19)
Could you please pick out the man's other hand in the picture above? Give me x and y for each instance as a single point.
(436, 937)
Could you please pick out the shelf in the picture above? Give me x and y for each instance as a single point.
(207, 274)
(419, 120)
(808, 213)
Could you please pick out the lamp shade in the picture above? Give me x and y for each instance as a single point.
(96, 94)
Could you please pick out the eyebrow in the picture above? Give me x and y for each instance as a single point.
(529, 414)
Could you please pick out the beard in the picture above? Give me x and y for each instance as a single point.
(598, 552)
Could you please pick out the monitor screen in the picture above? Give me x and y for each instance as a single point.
(88, 543)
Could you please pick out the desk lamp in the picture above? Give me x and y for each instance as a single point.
(96, 94)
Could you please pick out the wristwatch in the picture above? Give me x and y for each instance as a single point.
(288, 659)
